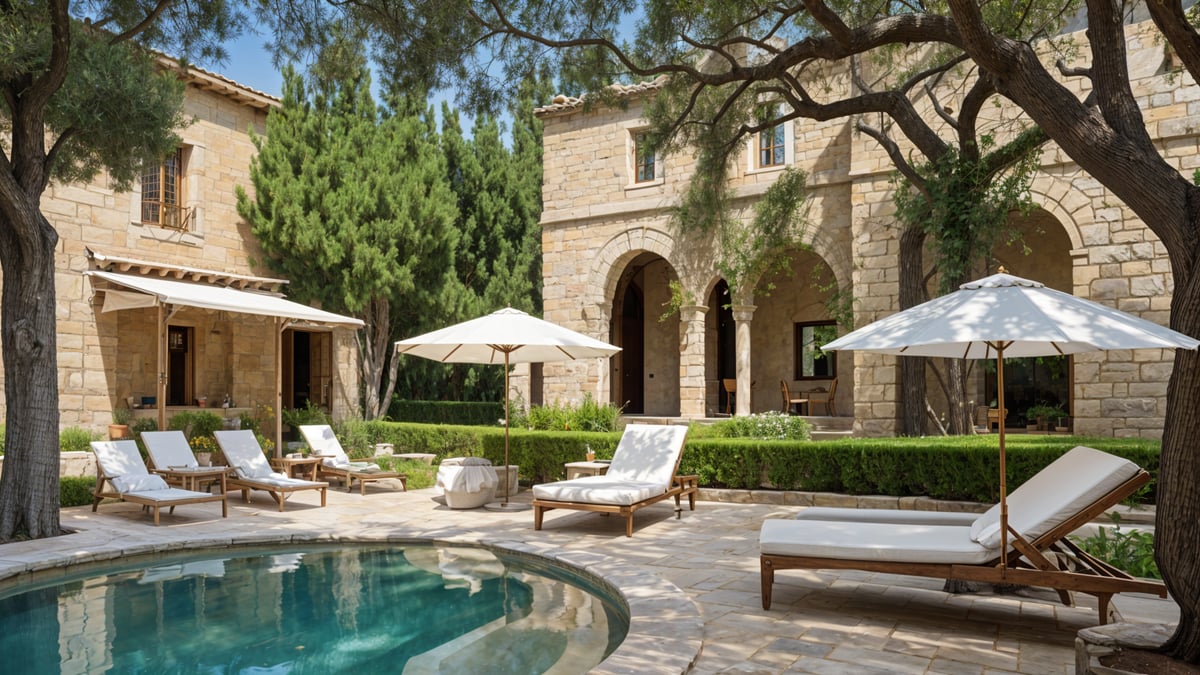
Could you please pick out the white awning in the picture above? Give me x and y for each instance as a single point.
(209, 296)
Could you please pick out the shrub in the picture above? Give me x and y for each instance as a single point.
(417, 474)
(587, 416)
(471, 413)
(1130, 550)
(76, 490)
(309, 414)
(768, 425)
(195, 423)
(2, 434)
(75, 439)
(356, 438)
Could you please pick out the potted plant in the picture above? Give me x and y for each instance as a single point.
(1040, 416)
(204, 448)
(120, 424)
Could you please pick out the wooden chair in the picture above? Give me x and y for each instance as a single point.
(643, 472)
(253, 471)
(789, 401)
(1043, 511)
(730, 385)
(120, 466)
(335, 463)
(826, 398)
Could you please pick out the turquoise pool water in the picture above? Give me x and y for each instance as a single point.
(399, 609)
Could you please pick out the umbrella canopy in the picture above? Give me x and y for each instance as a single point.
(1023, 317)
(1003, 316)
(505, 336)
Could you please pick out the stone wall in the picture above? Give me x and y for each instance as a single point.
(1081, 239)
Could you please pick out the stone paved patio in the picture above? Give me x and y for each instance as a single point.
(692, 583)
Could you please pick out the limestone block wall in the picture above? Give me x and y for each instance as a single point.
(105, 357)
(1081, 239)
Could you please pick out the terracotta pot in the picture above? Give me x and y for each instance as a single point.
(117, 432)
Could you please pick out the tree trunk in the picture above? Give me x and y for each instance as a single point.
(912, 368)
(1177, 520)
(29, 499)
(374, 353)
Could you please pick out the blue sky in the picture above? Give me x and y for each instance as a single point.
(249, 63)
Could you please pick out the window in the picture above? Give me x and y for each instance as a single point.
(162, 198)
(643, 158)
(772, 146)
(811, 362)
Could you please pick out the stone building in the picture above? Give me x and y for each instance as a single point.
(610, 255)
(159, 296)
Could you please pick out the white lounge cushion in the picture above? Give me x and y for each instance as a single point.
(280, 480)
(599, 490)
(119, 458)
(900, 516)
(890, 542)
(323, 443)
(169, 449)
(166, 496)
(146, 482)
(648, 453)
(1065, 487)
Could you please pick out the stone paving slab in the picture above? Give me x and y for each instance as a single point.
(691, 583)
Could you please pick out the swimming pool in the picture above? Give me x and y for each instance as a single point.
(315, 609)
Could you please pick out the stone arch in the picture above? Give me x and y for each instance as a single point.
(1071, 207)
(615, 254)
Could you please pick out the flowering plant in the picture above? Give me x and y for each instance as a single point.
(205, 444)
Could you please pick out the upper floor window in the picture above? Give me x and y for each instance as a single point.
(162, 194)
(811, 362)
(772, 146)
(645, 168)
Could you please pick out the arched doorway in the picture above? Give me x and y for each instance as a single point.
(1041, 253)
(645, 374)
(723, 355)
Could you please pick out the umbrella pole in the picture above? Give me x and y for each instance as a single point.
(506, 479)
(1003, 468)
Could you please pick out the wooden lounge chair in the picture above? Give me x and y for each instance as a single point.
(643, 472)
(1068, 493)
(120, 466)
(172, 458)
(252, 471)
(335, 463)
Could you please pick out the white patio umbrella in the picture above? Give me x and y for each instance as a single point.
(505, 336)
(1003, 316)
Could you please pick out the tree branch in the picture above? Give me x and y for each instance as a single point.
(893, 151)
(143, 24)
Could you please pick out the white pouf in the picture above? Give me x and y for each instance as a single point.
(467, 482)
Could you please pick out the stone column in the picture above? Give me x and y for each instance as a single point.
(742, 315)
(691, 361)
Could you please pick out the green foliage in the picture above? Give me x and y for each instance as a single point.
(2, 437)
(75, 439)
(965, 201)
(483, 413)
(356, 437)
(587, 416)
(195, 423)
(418, 474)
(311, 413)
(121, 415)
(352, 205)
(1128, 550)
(1044, 411)
(768, 425)
(76, 490)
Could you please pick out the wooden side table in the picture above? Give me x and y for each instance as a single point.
(191, 478)
(581, 469)
(297, 467)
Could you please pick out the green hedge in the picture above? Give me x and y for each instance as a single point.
(474, 413)
(76, 490)
(955, 468)
(964, 468)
